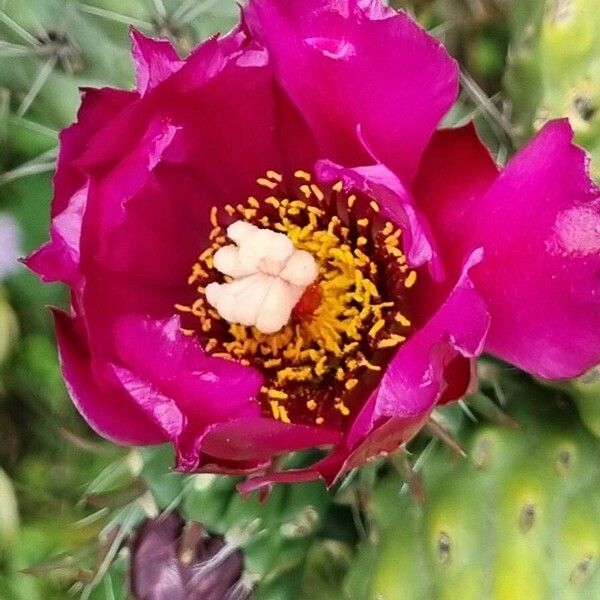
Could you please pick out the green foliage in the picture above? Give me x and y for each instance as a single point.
(518, 518)
(554, 68)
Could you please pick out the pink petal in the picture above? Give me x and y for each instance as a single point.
(378, 182)
(155, 61)
(539, 225)
(58, 259)
(207, 390)
(260, 439)
(108, 410)
(348, 65)
(456, 170)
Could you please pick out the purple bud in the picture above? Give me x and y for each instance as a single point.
(172, 560)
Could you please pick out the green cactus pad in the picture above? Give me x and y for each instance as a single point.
(518, 519)
(554, 68)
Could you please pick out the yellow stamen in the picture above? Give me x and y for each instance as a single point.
(327, 348)
(379, 325)
(411, 279)
(302, 175)
(351, 384)
(266, 183)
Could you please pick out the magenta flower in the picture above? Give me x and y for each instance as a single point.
(270, 247)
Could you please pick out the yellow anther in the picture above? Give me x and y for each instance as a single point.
(351, 384)
(302, 175)
(213, 217)
(342, 408)
(400, 318)
(374, 206)
(275, 175)
(283, 415)
(411, 279)
(279, 412)
(316, 190)
(379, 325)
(305, 189)
(272, 363)
(326, 346)
(369, 365)
(266, 183)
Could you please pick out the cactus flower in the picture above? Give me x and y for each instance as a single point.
(270, 247)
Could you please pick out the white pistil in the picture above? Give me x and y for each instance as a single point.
(269, 277)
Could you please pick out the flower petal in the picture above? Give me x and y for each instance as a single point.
(456, 170)
(348, 65)
(58, 259)
(155, 60)
(539, 225)
(261, 438)
(378, 182)
(206, 389)
(108, 410)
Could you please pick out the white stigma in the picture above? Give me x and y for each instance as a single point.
(269, 277)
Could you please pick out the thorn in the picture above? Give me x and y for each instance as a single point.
(496, 119)
(490, 410)
(111, 15)
(82, 444)
(434, 428)
(20, 31)
(38, 83)
(118, 498)
(467, 411)
(26, 171)
(412, 479)
(105, 544)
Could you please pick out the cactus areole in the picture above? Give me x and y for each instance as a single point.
(270, 247)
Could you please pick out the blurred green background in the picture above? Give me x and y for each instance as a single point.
(522, 62)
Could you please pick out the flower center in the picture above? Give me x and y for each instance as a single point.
(269, 277)
(310, 286)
